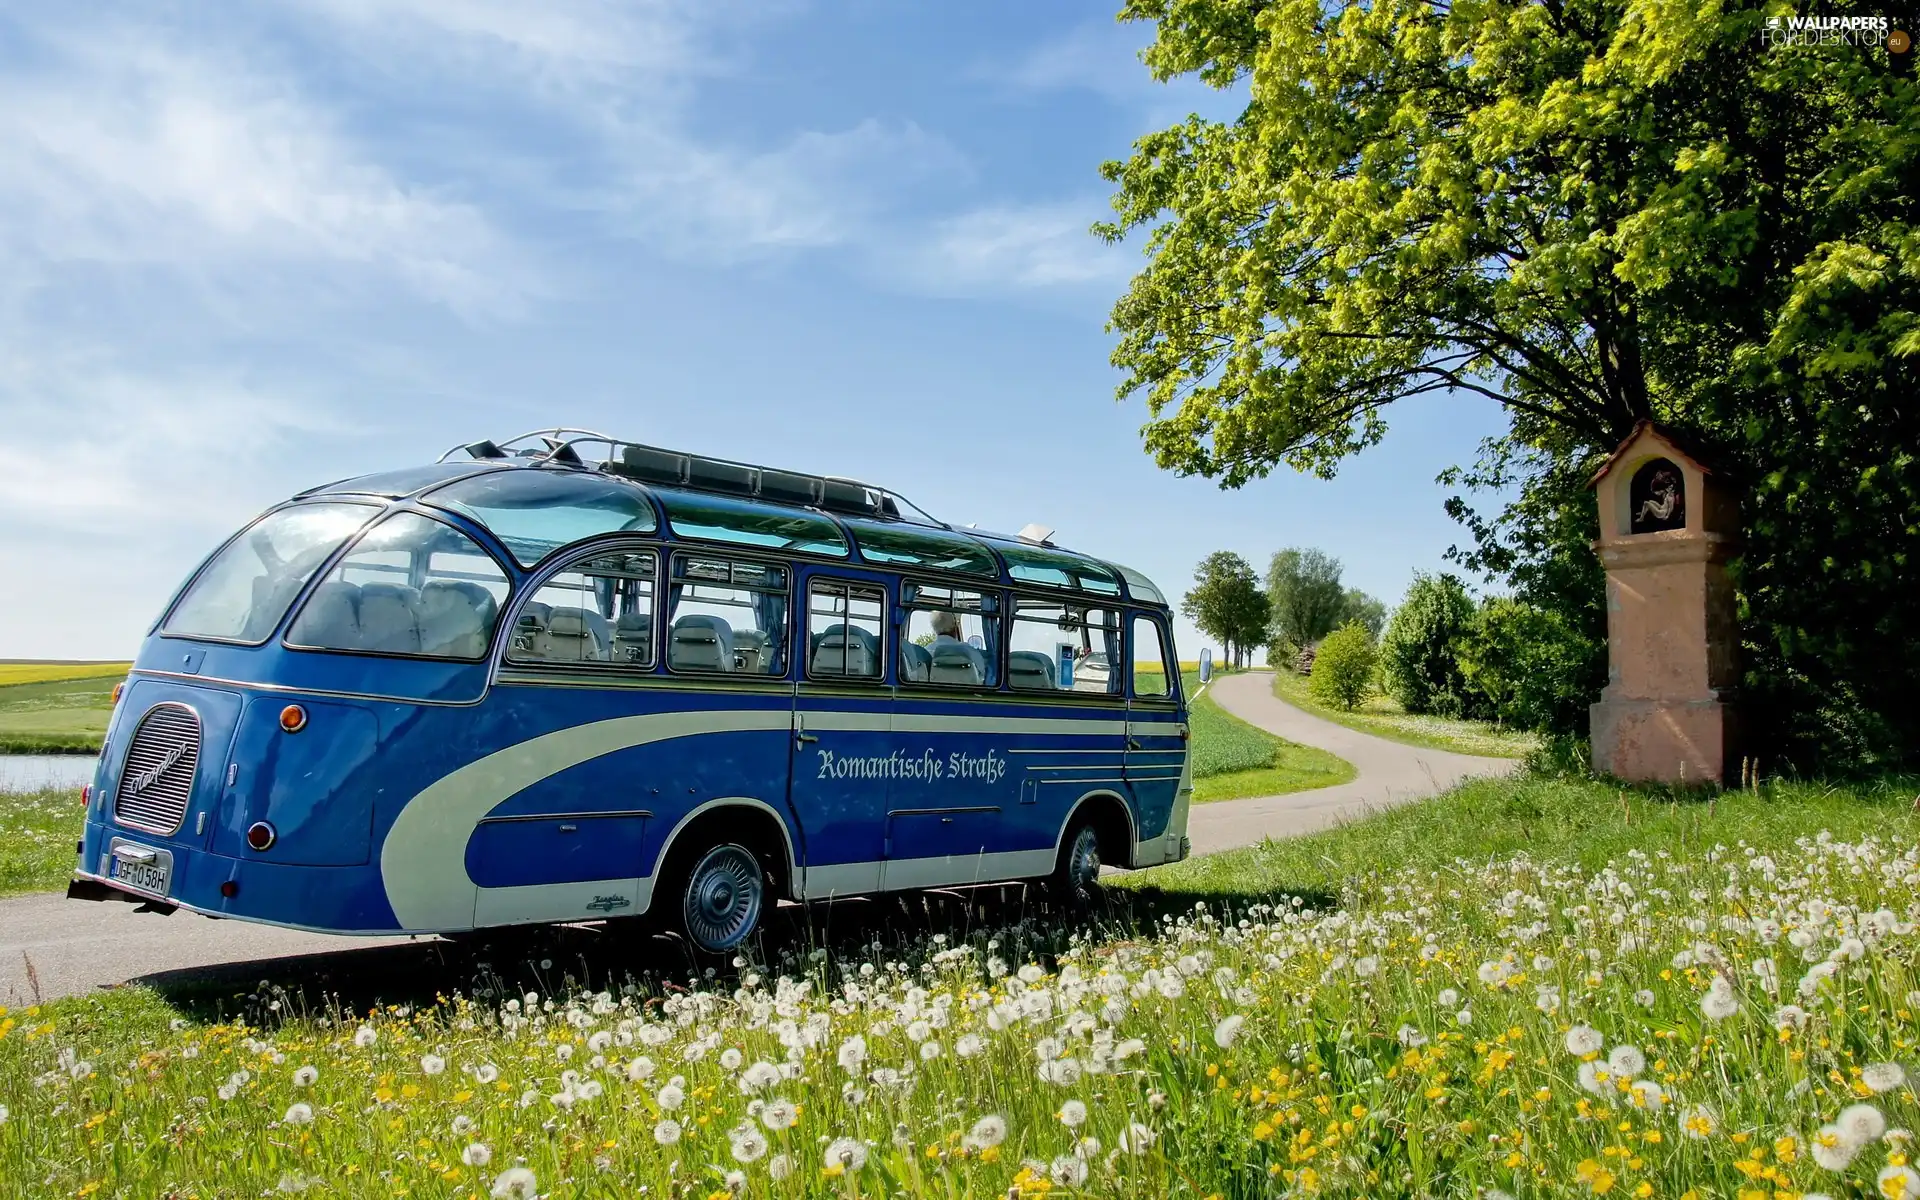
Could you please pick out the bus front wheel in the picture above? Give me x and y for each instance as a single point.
(718, 900)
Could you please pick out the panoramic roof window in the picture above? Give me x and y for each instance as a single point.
(535, 512)
(1050, 568)
(404, 482)
(719, 519)
(920, 546)
(244, 590)
(1141, 587)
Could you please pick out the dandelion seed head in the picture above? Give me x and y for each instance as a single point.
(1583, 1040)
(846, 1154)
(1626, 1061)
(1883, 1076)
(1862, 1123)
(989, 1130)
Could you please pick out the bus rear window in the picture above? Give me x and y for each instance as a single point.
(244, 590)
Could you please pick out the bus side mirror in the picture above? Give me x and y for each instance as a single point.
(1206, 664)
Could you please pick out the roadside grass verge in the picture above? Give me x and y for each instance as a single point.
(66, 715)
(1539, 989)
(1233, 760)
(1382, 716)
(37, 833)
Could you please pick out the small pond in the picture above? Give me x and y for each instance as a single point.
(33, 772)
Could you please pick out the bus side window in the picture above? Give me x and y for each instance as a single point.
(1151, 678)
(726, 616)
(597, 610)
(949, 637)
(844, 629)
(410, 586)
(1063, 647)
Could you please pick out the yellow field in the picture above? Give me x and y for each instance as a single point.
(19, 672)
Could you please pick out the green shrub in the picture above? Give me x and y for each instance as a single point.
(1343, 670)
(1528, 667)
(1420, 654)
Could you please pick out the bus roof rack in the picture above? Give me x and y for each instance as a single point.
(703, 473)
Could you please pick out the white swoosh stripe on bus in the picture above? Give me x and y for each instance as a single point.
(423, 860)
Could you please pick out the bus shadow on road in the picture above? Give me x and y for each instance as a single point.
(1007, 920)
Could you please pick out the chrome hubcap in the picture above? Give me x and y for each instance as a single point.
(723, 898)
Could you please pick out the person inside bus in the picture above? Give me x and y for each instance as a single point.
(953, 661)
(946, 629)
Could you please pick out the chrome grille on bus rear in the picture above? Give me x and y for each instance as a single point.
(156, 781)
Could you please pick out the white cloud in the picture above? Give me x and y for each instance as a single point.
(621, 76)
(818, 189)
(1044, 246)
(1098, 56)
(127, 151)
(599, 37)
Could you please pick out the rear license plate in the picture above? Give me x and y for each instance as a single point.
(140, 868)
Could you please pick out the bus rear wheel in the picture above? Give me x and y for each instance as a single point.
(718, 900)
(1075, 881)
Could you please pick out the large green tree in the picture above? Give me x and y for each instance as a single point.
(1592, 212)
(1308, 600)
(1226, 603)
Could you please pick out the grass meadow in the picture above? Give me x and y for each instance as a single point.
(1554, 988)
(1233, 760)
(1382, 716)
(37, 833)
(56, 708)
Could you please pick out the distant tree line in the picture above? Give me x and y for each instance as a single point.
(1440, 651)
(1303, 600)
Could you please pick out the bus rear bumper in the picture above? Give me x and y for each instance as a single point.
(88, 887)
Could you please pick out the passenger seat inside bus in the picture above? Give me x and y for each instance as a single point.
(387, 618)
(633, 637)
(916, 662)
(331, 617)
(578, 635)
(455, 618)
(699, 642)
(958, 664)
(752, 652)
(1030, 670)
(846, 650)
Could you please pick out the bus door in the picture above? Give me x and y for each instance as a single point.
(1061, 673)
(843, 741)
(953, 797)
(1156, 733)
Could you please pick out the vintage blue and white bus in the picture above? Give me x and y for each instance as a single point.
(526, 685)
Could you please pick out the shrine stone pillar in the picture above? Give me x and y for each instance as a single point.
(1668, 526)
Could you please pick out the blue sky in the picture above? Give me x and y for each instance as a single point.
(243, 251)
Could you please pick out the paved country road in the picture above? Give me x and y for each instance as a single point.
(52, 947)
(1389, 773)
